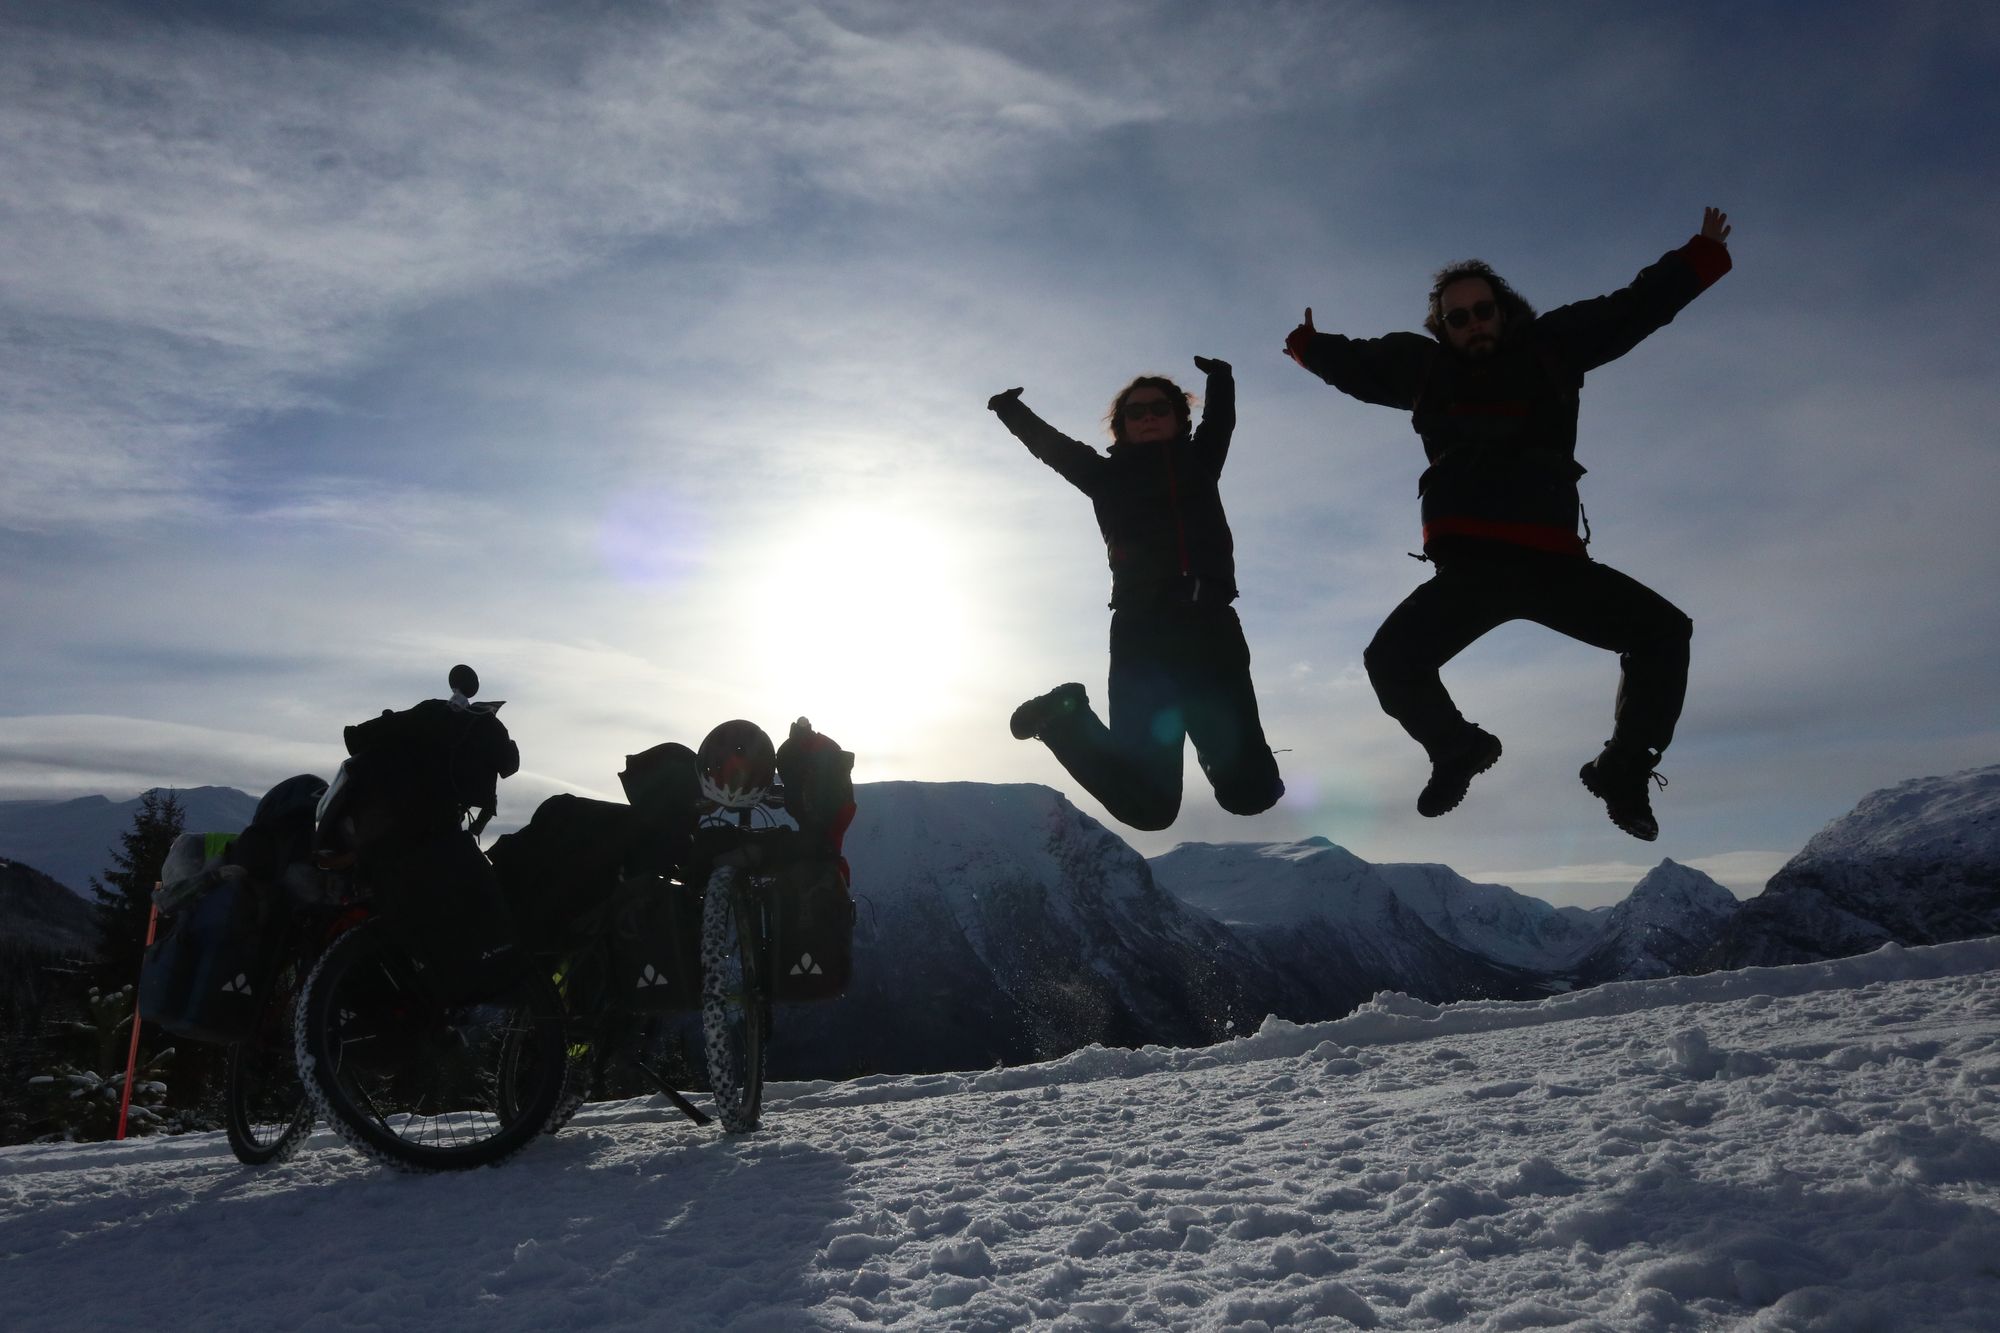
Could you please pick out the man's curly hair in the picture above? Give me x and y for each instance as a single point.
(1512, 304)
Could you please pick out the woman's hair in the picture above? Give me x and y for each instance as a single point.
(1512, 304)
(1115, 418)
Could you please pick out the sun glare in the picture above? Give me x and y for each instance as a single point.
(865, 626)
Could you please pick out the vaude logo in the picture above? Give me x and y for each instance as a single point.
(240, 986)
(806, 967)
(650, 977)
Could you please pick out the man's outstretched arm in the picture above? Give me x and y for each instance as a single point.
(1589, 333)
(1383, 370)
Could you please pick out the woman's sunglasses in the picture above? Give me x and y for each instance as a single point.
(1151, 407)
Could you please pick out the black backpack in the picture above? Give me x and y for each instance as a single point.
(432, 761)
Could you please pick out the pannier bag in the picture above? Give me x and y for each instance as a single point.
(561, 869)
(204, 977)
(562, 866)
(653, 946)
(225, 899)
(812, 931)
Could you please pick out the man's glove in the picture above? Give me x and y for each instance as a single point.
(1300, 338)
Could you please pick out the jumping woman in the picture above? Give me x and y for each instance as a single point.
(1179, 665)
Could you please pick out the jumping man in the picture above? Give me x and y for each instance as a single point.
(1493, 394)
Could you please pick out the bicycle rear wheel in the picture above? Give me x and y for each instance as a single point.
(267, 1116)
(735, 1003)
(415, 1082)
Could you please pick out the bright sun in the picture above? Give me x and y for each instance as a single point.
(869, 634)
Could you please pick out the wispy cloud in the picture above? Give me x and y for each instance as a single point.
(64, 756)
(202, 221)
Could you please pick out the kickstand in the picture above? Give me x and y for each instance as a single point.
(686, 1107)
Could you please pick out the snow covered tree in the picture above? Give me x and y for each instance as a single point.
(79, 1099)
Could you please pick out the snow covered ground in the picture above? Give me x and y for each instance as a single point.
(1812, 1147)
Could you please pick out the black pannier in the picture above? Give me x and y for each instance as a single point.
(653, 945)
(812, 930)
(561, 868)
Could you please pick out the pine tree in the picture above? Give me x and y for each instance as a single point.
(125, 895)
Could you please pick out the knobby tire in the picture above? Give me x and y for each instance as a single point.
(735, 1003)
(414, 1083)
(267, 1115)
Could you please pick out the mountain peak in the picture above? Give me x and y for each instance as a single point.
(1672, 882)
(1914, 863)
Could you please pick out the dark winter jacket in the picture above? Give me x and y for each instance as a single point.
(1158, 505)
(1500, 432)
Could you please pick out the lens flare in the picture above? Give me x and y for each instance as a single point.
(650, 536)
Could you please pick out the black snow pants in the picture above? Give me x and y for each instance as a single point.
(1177, 671)
(1475, 591)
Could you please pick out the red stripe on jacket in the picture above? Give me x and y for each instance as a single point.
(1536, 536)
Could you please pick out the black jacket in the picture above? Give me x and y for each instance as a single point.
(1158, 505)
(1500, 432)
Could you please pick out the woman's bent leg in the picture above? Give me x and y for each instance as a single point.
(1132, 766)
(1222, 718)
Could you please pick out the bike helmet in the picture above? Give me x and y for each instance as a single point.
(737, 764)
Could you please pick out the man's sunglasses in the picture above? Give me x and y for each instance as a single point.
(1464, 315)
(1150, 407)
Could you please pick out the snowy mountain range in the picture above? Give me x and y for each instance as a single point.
(38, 915)
(1333, 925)
(1916, 863)
(1000, 924)
(1492, 919)
(73, 841)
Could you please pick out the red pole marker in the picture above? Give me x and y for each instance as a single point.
(132, 1056)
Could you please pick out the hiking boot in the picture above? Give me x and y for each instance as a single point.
(1622, 778)
(1453, 769)
(1034, 717)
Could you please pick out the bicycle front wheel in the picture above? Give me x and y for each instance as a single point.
(414, 1082)
(735, 1003)
(266, 1114)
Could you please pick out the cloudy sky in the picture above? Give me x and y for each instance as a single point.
(638, 355)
